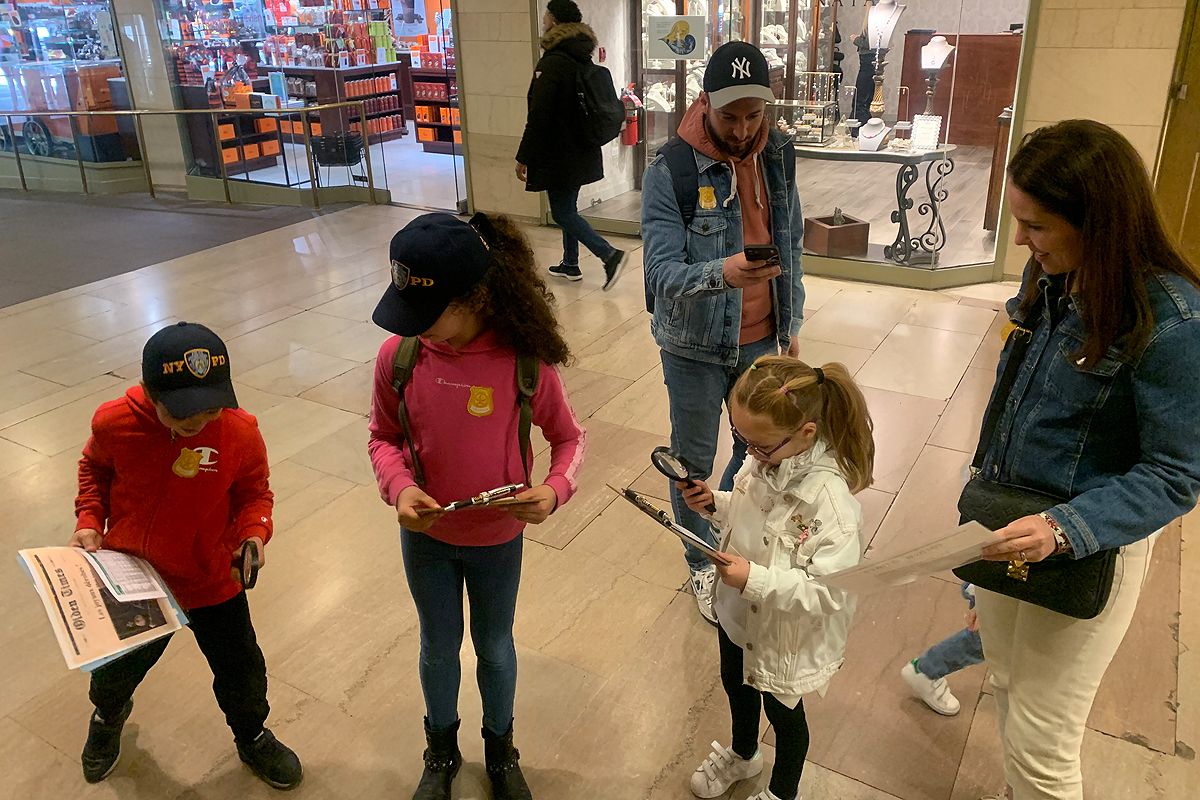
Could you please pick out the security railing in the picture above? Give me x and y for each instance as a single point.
(34, 132)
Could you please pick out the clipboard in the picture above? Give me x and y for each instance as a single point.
(501, 497)
(640, 502)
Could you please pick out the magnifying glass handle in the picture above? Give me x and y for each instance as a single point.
(711, 507)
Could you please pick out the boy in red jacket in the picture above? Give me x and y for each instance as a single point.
(176, 473)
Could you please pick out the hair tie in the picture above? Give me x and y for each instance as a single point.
(820, 373)
(784, 389)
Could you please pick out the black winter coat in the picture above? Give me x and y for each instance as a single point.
(550, 147)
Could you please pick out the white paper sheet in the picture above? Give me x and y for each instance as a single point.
(885, 570)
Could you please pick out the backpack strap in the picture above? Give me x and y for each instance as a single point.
(528, 373)
(685, 178)
(402, 369)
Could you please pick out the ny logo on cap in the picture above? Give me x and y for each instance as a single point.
(741, 67)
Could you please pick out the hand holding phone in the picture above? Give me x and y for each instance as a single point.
(740, 271)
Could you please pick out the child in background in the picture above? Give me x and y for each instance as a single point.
(176, 473)
(790, 518)
(471, 293)
(926, 674)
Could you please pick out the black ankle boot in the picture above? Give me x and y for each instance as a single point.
(442, 761)
(502, 768)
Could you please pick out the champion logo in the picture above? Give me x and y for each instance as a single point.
(208, 456)
(741, 68)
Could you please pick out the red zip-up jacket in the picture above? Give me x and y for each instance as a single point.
(184, 512)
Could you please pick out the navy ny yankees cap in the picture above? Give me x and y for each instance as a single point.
(735, 71)
(186, 368)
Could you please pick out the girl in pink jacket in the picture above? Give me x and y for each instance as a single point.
(471, 294)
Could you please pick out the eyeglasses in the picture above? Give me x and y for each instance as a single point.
(762, 452)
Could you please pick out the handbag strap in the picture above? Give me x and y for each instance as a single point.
(1020, 338)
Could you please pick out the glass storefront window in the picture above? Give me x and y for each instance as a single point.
(62, 57)
(899, 112)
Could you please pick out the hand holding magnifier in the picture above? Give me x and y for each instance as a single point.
(677, 468)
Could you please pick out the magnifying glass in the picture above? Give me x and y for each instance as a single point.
(676, 468)
(247, 564)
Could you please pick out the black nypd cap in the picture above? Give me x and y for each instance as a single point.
(737, 70)
(436, 259)
(186, 368)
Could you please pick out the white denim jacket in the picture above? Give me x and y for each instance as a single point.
(792, 523)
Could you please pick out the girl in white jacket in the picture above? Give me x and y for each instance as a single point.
(790, 518)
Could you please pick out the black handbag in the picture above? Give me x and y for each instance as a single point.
(1075, 587)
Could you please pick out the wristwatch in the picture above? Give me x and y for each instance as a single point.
(1061, 543)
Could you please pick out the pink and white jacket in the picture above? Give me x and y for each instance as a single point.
(463, 408)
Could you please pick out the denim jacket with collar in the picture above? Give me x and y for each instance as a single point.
(696, 315)
(1120, 438)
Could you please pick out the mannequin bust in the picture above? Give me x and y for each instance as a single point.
(935, 54)
(872, 135)
(881, 22)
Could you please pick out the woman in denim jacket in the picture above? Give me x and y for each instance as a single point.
(1105, 410)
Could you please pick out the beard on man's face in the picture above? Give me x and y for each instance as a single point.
(730, 145)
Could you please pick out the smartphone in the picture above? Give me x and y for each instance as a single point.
(762, 252)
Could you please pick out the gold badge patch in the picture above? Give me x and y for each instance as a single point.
(480, 402)
(708, 198)
(188, 463)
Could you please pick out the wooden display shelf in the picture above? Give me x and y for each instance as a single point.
(438, 125)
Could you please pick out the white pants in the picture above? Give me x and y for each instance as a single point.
(1045, 671)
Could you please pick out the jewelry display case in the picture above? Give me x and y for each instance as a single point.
(797, 36)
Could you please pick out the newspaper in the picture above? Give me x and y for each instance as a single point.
(91, 623)
(888, 570)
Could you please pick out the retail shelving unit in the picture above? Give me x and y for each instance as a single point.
(439, 136)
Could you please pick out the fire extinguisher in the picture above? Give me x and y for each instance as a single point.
(633, 111)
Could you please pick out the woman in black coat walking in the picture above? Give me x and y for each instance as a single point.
(551, 157)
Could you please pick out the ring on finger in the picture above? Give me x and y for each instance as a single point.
(1021, 555)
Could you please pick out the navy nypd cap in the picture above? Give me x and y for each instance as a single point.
(435, 259)
(186, 367)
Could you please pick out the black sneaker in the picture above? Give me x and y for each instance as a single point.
(272, 761)
(614, 265)
(103, 747)
(565, 271)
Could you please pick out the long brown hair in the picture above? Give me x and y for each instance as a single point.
(513, 297)
(1091, 176)
(791, 393)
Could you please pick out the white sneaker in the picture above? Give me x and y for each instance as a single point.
(935, 694)
(765, 794)
(704, 587)
(722, 769)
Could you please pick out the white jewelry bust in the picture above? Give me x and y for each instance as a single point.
(881, 23)
(872, 135)
(935, 54)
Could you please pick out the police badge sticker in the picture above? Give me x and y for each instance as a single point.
(188, 463)
(198, 361)
(400, 275)
(480, 402)
(708, 198)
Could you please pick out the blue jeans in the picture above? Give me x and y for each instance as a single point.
(953, 653)
(575, 229)
(695, 391)
(436, 574)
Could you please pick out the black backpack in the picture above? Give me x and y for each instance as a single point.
(599, 112)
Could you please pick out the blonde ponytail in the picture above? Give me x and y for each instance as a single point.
(791, 393)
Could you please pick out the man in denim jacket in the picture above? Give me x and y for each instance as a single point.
(714, 310)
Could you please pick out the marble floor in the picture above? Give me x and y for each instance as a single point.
(414, 177)
(619, 694)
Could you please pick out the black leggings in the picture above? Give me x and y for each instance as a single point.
(745, 703)
(226, 638)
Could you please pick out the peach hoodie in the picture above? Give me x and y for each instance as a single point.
(758, 318)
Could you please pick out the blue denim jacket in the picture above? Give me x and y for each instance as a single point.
(696, 315)
(1121, 438)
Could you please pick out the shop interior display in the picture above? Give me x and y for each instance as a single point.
(811, 119)
(799, 36)
(881, 23)
(59, 57)
(62, 31)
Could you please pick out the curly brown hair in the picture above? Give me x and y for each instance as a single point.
(513, 297)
